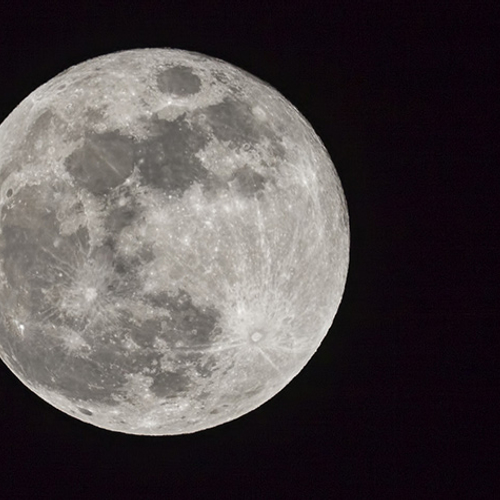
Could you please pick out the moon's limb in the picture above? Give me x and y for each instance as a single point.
(173, 242)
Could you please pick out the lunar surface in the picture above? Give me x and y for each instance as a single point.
(174, 242)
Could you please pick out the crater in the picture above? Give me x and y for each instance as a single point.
(85, 411)
(256, 336)
(179, 81)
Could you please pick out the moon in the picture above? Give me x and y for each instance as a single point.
(174, 242)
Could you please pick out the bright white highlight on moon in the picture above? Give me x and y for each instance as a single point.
(256, 336)
(174, 242)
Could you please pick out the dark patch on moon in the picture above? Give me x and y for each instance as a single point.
(103, 255)
(39, 273)
(232, 120)
(31, 207)
(170, 384)
(40, 129)
(247, 181)
(119, 218)
(19, 257)
(188, 324)
(167, 158)
(126, 267)
(146, 333)
(253, 392)
(44, 361)
(85, 411)
(188, 331)
(179, 80)
(214, 186)
(103, 162)
(31, 261)
(100, 373)
(159, 299)
(25, 266)
(93, 379)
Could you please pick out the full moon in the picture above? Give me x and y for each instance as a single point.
(174, 242)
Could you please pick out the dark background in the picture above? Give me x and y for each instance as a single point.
(401, 399)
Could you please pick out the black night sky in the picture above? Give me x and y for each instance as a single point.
(399, 401)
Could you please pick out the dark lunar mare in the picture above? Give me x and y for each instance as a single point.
(234, 122)
(103, 162)
(179, 81)
(166, 159)
(99, 371)
(248, 182)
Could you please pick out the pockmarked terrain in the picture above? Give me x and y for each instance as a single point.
(174, 242)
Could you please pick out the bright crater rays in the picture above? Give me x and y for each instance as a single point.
(174, 242)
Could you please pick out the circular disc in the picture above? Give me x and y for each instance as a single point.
(173, 242)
